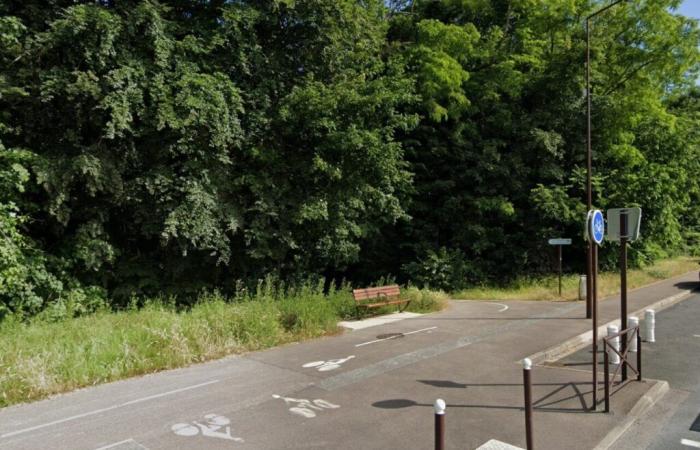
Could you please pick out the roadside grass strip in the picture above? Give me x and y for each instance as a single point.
(545, 288)
(41, 357)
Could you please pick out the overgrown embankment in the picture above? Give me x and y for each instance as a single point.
(45, 356)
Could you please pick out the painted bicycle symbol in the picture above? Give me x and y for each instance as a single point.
(306, 408)
(211, 428)
(325, 366)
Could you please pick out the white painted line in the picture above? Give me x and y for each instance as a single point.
(115, 444)
(394, 336)
(690, 443)
(134, 445)
(109, 408)
(418, 331)
(696, 335)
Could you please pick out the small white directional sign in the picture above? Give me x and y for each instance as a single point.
(559, 241)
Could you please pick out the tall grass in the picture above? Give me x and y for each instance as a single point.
(546, 288)
(43, 357)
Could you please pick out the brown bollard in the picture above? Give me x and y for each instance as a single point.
(527, 383)
(440, 424)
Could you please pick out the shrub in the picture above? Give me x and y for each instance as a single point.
(446, 269)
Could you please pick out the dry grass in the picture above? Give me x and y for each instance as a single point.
(608, 283)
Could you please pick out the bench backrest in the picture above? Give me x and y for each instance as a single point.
(376, 292)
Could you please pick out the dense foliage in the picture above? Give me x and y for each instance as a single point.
(177, 145)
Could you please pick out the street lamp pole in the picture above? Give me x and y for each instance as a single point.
(592, 253)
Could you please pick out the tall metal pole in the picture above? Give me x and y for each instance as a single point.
(594, 305)
(591, 291)
(592, 263)
(589, 165)
(623, 288)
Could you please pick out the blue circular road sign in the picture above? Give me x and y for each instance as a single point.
(596, 226)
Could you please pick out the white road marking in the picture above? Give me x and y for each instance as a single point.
(109, 408)
(325, 366)
(495, 444)
(419, 331)
(690, 443)
(696, 335)
(304, 407)
(394, 336)
(505, 307)
(115, 444)
(214, 423)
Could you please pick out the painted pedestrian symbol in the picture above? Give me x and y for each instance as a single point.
(306, 408)
(325, 366)
(213, 426)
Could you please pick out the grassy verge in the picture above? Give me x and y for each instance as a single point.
(608, 283)
(43, 357)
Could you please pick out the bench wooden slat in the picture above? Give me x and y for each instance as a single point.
(376, 292)
(376, 305)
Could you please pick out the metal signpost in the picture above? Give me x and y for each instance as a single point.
(559, 242)
(592, 253)
(595, 227)
(623, 226)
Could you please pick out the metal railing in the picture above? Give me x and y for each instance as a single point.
(627, 335)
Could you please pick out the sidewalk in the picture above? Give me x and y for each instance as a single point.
(372, 388)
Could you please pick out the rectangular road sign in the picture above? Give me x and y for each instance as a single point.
(634, 219)
(560, 241)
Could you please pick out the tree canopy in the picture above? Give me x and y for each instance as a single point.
(177, 145)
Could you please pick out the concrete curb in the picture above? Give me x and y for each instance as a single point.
(576, 343)
(653, 395)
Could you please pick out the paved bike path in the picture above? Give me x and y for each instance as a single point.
(375, 390)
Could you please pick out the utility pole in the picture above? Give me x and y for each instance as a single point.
(592, 253)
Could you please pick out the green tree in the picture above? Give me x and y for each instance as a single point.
(183, 144)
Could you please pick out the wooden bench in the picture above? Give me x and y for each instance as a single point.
(383, 296)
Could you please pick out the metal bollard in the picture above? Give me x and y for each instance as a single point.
(582, 287)
(440, 424)
(527, 384)
(649, 324)
(631, 323)
(615, 343)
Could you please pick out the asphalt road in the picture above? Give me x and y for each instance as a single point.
(675, 357)
(369, 389)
